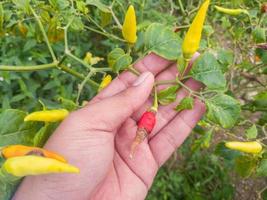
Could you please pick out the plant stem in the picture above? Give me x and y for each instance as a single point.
(103, 69)
(133, 70)
(68, 53)
(181, 6)
(254, 109)
(166, 82)
(80, 88)
(115, 18)
(193, 93)
(155, 103)
(78, 75)
(44, 34)
(108, 35)
(27, 68)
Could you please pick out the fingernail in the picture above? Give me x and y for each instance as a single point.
(141, 78)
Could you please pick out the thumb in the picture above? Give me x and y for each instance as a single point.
(111, 112)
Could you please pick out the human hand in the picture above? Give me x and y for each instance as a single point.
(98, 137)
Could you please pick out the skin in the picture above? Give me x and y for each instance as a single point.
(97, 139)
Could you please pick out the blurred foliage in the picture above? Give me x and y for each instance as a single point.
(236, 41)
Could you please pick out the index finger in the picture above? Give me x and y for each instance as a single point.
(152, 62)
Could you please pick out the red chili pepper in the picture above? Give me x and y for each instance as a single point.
(145, 126)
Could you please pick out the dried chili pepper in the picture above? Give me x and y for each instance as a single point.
(21, 150)
(129, 26)
(47, 115)
(105, 82)
(247, 147)
(35, 165)
(232, 12)
(192, 38)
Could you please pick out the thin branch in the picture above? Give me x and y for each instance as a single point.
(115, 18)
(27, 68)
(44, 35)
(108, 35)
(80, 87)
(78, 75)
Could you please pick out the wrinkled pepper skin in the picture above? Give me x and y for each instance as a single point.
(105, 82)
(129, 28)
(233, 12)
(47, 115)
(21, 150)
(193, 36)
(35, 165)
(247, 147)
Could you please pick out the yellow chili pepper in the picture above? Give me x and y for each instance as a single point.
(47, 115)
(247, 147)
(233, 12)
(36, 165)
(105, 82)
(21, 150)
(129, 26)
(193, 35)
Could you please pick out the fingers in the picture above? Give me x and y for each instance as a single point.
(173, 135)
(151, 62)
(167, 113)
(111, 112)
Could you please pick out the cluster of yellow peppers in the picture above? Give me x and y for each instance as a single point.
(24, 161)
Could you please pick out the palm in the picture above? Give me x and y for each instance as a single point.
(125, 173)
(98, 141)
(139, 172)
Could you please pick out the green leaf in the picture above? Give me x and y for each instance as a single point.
(223, 110)
(81, 6)
(259, 35)
(59, 4)
(106, 18)
(260, 100)
(14, 130)
(187, 103)
(208, 30)
(225, 58)
(252, 132)
(99, 5)
(68, 104)
(7, 189)
(203, 141)
(43, 134)
(245, 165)
(262, 168)
(29, 45)
(207, 70)
(167, 95)
(77, 24)
(118, 60)
(162, 41)
(23, 5)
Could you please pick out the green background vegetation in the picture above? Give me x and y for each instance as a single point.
(202, 168)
